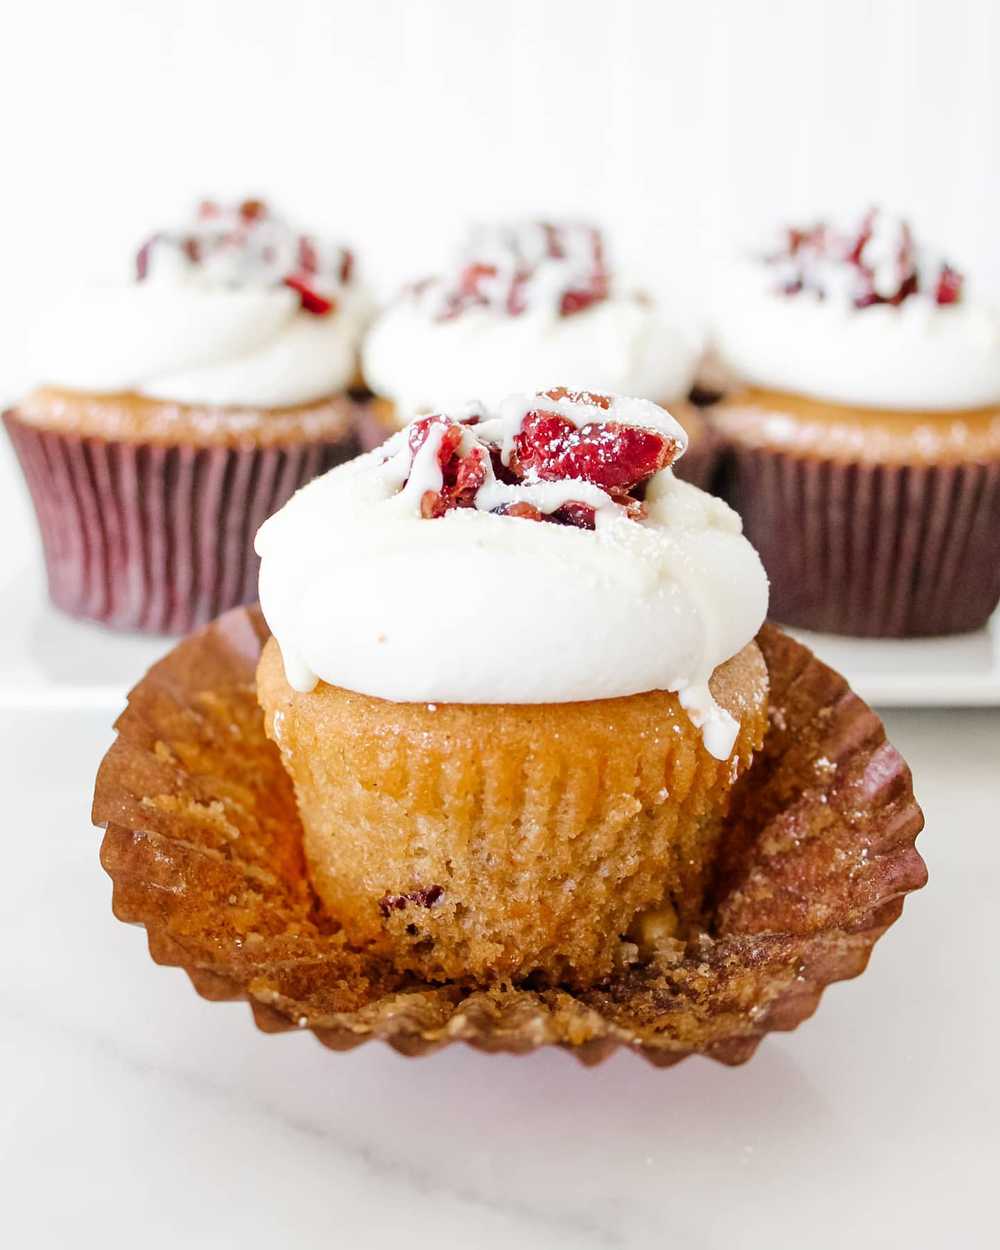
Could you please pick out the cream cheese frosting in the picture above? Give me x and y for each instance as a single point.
(361, 590)
(904, 340)
(217, 326)
(522, 305)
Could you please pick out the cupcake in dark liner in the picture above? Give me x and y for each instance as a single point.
(523, 306)
(178, 411)
(863, 449)
(205, 849)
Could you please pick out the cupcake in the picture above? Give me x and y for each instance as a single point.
(519, 305)
(176, 412)
(513, 680)
(864, 443)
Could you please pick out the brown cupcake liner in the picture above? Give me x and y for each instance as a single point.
(871, 550)
(204, 847)
(155, 537)
(700, 462)
(372, 430)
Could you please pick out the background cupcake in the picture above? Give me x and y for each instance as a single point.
(523, 306)
(178, 411)
(864, 450)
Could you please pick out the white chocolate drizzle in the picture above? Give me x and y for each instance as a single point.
(364, 591)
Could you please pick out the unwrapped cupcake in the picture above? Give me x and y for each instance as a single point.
(865, 443)
(518, 305)
(513, 679)
(176, 412)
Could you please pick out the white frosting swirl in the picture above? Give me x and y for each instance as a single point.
(193, 345)
(919, 355)
(474, 607)
(621, 345)
(211, 321)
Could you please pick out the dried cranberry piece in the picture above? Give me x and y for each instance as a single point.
(308, 259)
(580, 515)
(462, 474)
(526, 511)
(949, 286)
(427, 896)
(143, 256)
(432, 505)
(253, 210)
(312, 301)
(575, 301)
(613, 456)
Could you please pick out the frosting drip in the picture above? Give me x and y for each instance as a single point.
(364, 588)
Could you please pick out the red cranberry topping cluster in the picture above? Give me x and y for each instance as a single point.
(247, 245)
(876, 263)
(517, 268)
(617, 457)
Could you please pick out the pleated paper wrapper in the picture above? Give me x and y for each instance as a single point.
(204, 847)
(871, 550)
(151, 537)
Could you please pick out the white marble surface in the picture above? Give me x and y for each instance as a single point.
(133, 1114)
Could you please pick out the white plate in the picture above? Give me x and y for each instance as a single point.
(959, 671)
(53, 661)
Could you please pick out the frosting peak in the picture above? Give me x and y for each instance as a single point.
(420, 572)
(513, 269)
(864, 316)
(518, 305)
(245, 245)
(234, 308)
(877, 261)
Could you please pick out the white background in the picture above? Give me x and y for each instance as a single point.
(683, 126)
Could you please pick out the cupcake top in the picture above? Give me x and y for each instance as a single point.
(538, 552)
(860, 315)
(235, 307)
(521, 304)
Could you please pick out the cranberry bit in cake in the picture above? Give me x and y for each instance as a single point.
(878, 262)
(536, 462)
(246, 245)
(522, 268)
(425, 897)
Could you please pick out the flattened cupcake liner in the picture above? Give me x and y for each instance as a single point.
(871, 550)
(154, 537)
(204, 847)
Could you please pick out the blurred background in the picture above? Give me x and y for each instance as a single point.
(682, 127)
